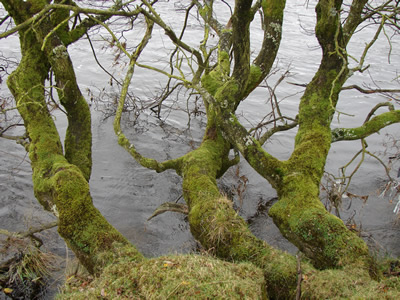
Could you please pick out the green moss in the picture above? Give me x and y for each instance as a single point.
(349, 283)
(273, 9)
(254, 76)
(227, 95)
(174, 277)
(304, 221)
(217, 77)
(224, 62)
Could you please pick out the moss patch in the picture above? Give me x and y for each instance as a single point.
(349, 283)
(173, 277)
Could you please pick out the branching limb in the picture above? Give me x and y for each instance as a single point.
(376, 107)
(155, 17)
(276, 129)
(122, 139)
(206, 13)
(76, 10)
(346, 180)
(354, 19)
(265, 164)
(241, 20)
(367, 47)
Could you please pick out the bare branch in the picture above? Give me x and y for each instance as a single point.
(276, 129)
(122, 139)
(368, 91)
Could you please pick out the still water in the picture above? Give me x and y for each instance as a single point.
(127, 194)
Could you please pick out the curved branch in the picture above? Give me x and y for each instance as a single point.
(370, 127)
(264, 163)
(376, 107)
(241, 20)
(74, 8)
(272, 25)
(122, 139)
(354, 19)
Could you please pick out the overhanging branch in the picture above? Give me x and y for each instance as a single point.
(370, 127)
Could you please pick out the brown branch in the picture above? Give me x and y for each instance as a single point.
(376, 107)
(123, 141)
(356, 87)
(366, 91)
(276, 129)
(170, 206)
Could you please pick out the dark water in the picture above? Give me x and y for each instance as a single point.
(127, 194)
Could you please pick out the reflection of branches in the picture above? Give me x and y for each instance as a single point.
(167, 91)
(6, 63)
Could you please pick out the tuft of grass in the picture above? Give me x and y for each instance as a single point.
(25, 272)
(172, 277)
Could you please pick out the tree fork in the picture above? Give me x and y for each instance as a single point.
(58, 185)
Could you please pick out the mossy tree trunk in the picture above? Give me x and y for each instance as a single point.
(299, 213)
(60, 180)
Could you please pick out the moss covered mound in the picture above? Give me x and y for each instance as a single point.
(173, 277)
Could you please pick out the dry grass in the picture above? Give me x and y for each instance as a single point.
(25, 267)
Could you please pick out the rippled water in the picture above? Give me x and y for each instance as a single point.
(127, 194)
